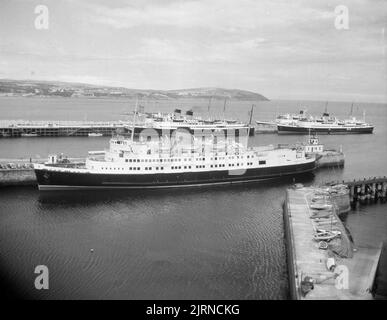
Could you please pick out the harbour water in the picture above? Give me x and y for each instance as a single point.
(204, 243)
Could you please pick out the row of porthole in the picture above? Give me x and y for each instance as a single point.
(130, 168)
(187, 167)
(184, 159)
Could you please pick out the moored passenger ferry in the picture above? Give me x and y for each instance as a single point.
(326, 124)
(303, 124)
(174, 121)
(143, 164)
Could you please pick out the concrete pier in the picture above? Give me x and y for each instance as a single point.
(17, 177)
(20, 172)
(330, 158)
(23, 128)
(340, 271)
(20, 128)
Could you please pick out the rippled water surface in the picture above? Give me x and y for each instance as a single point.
(223, 243)
(203, 243)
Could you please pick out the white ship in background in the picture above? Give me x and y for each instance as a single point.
(176, 120)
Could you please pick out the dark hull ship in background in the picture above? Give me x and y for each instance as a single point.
(323, 128)
(326, 124)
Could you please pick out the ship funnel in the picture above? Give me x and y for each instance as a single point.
(189, 114)
(52, 159)
(177, 113)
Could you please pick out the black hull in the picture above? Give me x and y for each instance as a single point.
(283, 129)
(53, 180)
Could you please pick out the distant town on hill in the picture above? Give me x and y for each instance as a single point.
(66, 89)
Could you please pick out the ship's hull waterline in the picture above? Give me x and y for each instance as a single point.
(55, 180)
(286, 129)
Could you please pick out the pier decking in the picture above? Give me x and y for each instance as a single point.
(19, 128)
(307, 263)
(22, 128)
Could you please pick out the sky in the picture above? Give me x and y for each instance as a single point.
(283, 49)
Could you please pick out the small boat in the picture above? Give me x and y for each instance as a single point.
(318, 198)
(94, 153)
(328, 221)
(321, 215)
(321, 206)
(94, 134)
(324, 235)
(321, 193)
(29, 135)
(325, 219)
(5, 134)
(320, 211)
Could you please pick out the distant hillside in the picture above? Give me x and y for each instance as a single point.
(217, 93)
(67, 89)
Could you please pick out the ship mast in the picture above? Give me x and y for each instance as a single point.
(224, 109)
(251, 113)
(134, 118)
(251, 118)
(208, 108)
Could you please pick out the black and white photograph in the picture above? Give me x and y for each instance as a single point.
(206, 152)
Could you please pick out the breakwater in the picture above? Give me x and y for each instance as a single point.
(22, 128)
(17, 177)
(323, 262)
(330, 158)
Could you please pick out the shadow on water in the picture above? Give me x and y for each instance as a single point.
(95, 197)
(379, 289)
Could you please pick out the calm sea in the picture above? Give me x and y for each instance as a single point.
(203, 243)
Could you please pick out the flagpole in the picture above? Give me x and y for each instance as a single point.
(224, 109)
(208, 108)
(134, 118)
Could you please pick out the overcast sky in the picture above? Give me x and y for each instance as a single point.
(288, 49)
